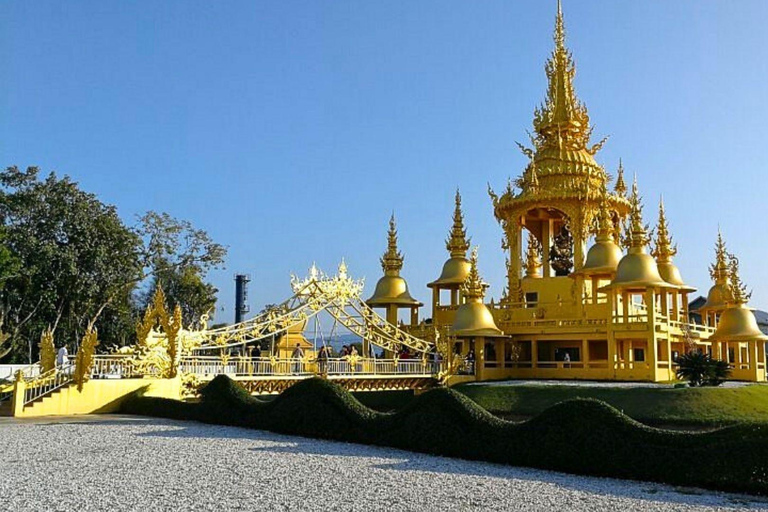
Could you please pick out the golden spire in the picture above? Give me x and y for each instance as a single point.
(739, 295)
(562, 119)
(532, 257)
(474, 287)
(620, 187)
(664, 250)
(457, 242)
(638, 232)
(604, 223)
(719, 271)
(392, 261)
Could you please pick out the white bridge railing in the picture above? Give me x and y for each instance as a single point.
(267, 367)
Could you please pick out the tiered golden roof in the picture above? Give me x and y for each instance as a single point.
(456, 269)
(637, 269)
(604, 256)
(562, 172)
(664, 250)
(737, 322)
(473, 318)
(391, 288)
(720, 294)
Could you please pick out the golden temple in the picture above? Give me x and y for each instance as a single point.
(586, 296)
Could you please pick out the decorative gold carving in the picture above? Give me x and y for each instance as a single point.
(739, 293)
(47, 351)
(533, 257)
(84, 358)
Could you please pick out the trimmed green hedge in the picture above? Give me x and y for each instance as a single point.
(582, 436)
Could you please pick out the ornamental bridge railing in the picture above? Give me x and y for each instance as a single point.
(210, 366)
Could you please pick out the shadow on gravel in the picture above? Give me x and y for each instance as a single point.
(405, 461)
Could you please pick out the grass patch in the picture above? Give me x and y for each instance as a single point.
(655, 406)
(582, 436)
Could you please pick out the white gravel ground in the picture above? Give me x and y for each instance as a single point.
(126, 463)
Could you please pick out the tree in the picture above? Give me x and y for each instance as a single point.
(68, 262)
(178, 257)
(66, 255)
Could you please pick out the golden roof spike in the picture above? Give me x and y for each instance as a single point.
(562, 120)
(664, 250)
(457, 242)
(638, 231)
(473, 288)
(392, 261)
(605, 226)
(719, 271)
(739, 294)
(620, 187)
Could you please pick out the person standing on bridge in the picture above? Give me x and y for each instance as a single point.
(322, 360)
(298, 355)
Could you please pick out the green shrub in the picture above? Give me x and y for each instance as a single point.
(583, 436)
(699, 369)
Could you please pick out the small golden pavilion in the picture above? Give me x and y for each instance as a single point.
(589, 294)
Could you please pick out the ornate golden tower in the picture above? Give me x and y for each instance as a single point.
(391, 290)
(562, 186)
(456, 269)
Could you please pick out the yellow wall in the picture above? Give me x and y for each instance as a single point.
(99, 396)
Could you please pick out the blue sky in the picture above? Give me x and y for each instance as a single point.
(291, 130)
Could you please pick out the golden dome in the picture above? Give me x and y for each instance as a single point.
(392, 290)
(637, 269)
(455, 272)
(738, 323)
(604, 256)
(717, 298)
(670, 273)
(473, 318)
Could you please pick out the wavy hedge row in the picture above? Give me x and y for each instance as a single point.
(580, 436)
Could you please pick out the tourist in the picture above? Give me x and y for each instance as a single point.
(62, 357)
(567, 360)
(298, 355)
(322, 360)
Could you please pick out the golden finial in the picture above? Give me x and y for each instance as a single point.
(473, 287)
(605, 226)
(739, 294)
(533, 257)
(457, 242)
(562, 119)
(620, 187)
(343, 268)
(719, 271)
(664, 250)
(638, 232)
(392, 261)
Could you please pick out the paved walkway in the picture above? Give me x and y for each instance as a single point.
(126, 463)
